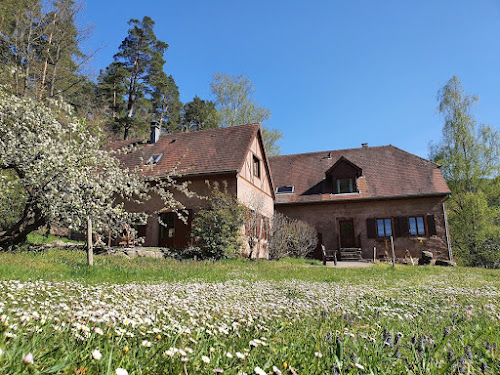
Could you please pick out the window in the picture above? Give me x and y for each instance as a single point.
(384, 227)
(417, 227)
(345, 185)
(256, 166)
(285, 189)
(167, 230)
(154, 159)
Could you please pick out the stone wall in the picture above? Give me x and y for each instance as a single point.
(325, 218)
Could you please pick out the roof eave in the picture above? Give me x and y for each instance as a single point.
(364, 199)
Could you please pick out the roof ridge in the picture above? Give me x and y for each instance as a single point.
(419, 157)
(326, 151)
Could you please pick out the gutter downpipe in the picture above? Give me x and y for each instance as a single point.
(447, 231)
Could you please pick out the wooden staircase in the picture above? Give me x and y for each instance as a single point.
(350, 254)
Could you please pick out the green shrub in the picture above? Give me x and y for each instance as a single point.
(217, 226)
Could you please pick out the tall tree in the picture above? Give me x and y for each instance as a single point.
(166, 105)
(111, 87)
(236, 106)
(142, 55)
(64, 175)
(470, 160)
(199, 114)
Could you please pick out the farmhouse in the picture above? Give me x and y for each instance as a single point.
(233, 156)
(358, 198)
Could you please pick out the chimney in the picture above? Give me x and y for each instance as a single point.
(155, 132)
(364, 145)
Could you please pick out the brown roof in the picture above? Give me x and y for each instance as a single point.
(387, 171)
(211, 151)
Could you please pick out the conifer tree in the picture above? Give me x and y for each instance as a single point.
(141, 54)
(199, 114)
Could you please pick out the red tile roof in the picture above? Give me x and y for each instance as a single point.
(387, 171)
(201, 152)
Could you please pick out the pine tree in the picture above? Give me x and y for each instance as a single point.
(142, 55)
(199, 114)
(166, 105)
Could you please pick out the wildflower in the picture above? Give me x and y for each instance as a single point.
(276, 371)
(240, 355)
(121, 371)
(146, 343)
(184, 359)
(28, 359)
(468, 353)
(318, 354)
(125, 350)
(1, 351)
(96, 354)
(361, 367)
(218, 370)
(99, 331)
(259, 371)
(158, 337)
(205, 359)
(229, 355)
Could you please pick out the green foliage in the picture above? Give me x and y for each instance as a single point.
(141, 55)
(288, 314)
(236, 106)
(470, 160)
(166, 105)
(12, 198)
(217, 225)
(199, 114)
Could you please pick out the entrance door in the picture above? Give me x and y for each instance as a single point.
(176, 234)
(346, 233)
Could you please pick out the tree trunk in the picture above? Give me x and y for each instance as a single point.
(54, 72)
(90, 250)
(46, 62)
(18, 233)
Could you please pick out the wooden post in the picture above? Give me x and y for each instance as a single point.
(374, 254)
(393, 255)
(90, 251)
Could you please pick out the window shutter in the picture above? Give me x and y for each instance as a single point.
(401, 226)
(431, 225)
(371, 228)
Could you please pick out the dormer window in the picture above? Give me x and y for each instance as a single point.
(342, 176)
(154, 159)
(345, 185)
(288, 189)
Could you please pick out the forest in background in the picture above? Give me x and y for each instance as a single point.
(40, 48)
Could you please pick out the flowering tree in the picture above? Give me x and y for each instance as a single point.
(65, 176)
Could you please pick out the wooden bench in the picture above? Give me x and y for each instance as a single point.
(329, 255)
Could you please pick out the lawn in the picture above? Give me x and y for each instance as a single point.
(151, 316)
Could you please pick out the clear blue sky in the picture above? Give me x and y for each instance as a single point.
(333, 73)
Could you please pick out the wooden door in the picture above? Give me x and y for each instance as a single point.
(346, 229)
(176, 234)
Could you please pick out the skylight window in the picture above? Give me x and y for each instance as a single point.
(154, 159)
(284, 189)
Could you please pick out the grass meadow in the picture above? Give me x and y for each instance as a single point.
(149, 316)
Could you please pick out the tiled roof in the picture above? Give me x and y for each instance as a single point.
(387, 171)
(194, 153)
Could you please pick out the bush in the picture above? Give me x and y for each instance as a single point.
(487, 255)
(291, 238)
(217, 226)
